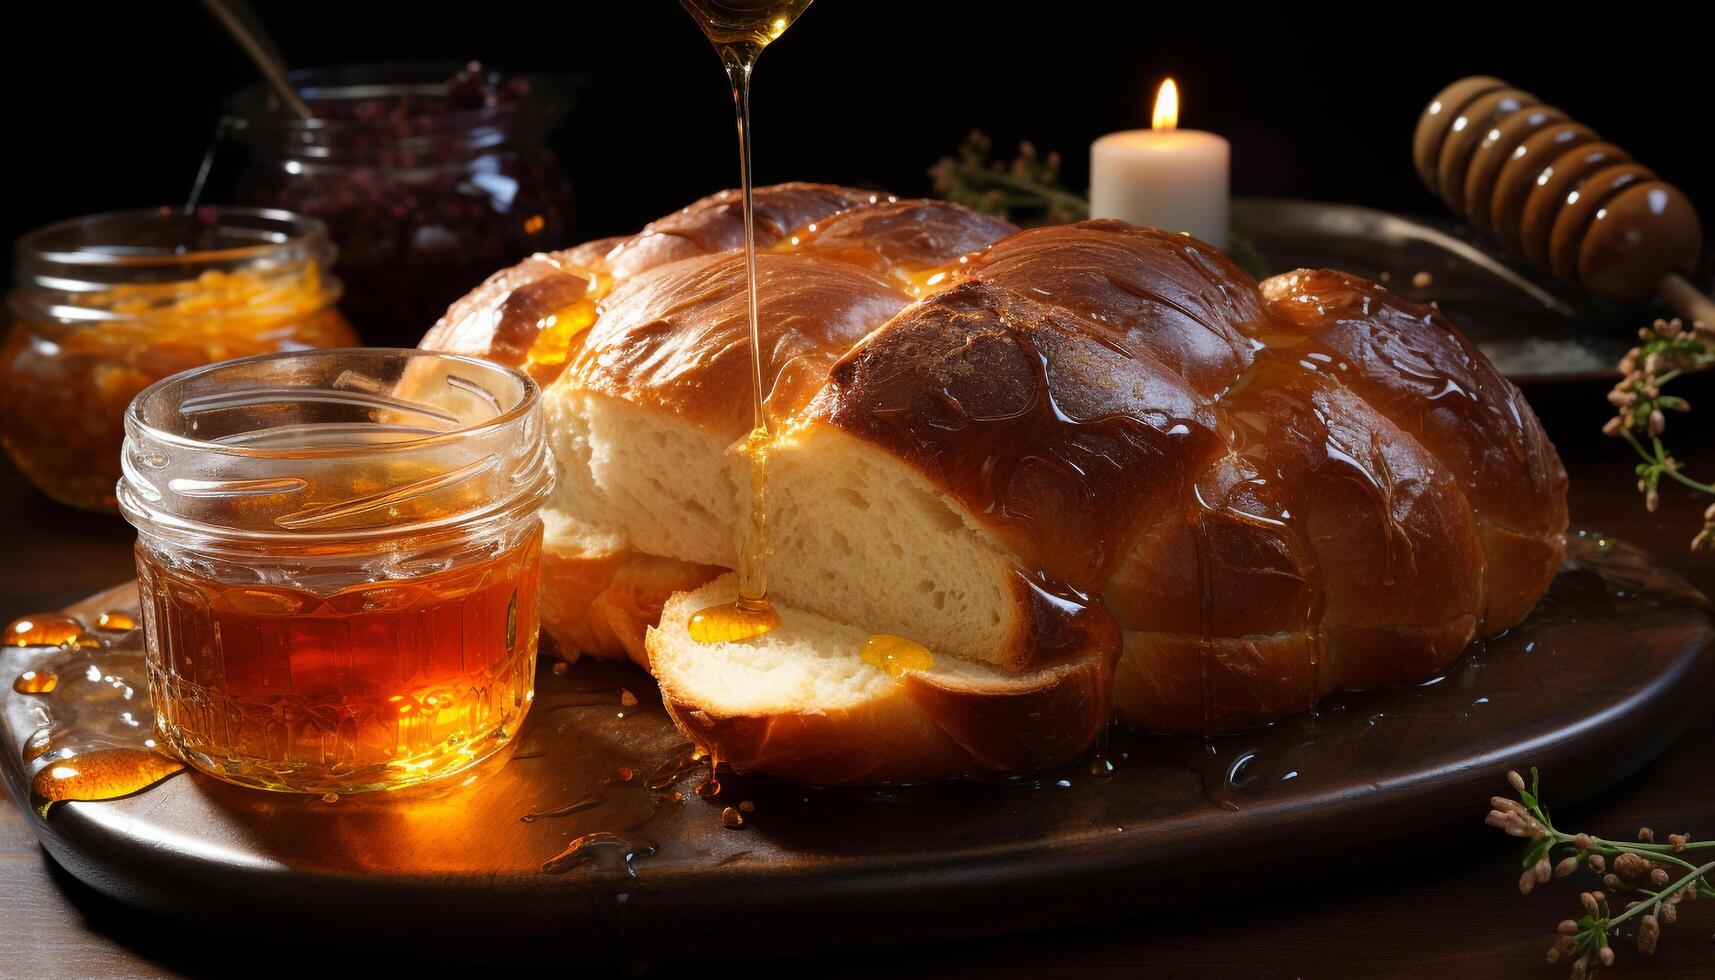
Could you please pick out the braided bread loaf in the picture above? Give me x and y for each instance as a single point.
(1092, 467)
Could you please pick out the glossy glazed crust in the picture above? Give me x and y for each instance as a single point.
(502, 318)
(1329, 488)
(677, 337)
(1262, 493)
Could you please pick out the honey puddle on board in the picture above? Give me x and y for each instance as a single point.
(95, 734)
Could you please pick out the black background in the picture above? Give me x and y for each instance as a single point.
(111, 104)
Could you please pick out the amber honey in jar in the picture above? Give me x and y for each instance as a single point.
(104, 306)
(337, 556)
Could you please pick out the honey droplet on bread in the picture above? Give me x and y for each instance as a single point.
(104, 774)
(730, 622)
(42, 631)
(896, 654)
(556, 332)
(36, 682)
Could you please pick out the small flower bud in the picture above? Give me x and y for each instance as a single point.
(1588, 900)
(1566, 866)
(1652, 500)
(1516, 780)
(1598, 863)
(1649, 931)
(1582, 841)
(1680, 840)
(1613, 881)
(1669, 912)
(1567, 927)
(1631, 865)
(1614, 426)
(1543, 870)
(1646, 835)
(1658, 877)
(1606, 956)
(1526, 882)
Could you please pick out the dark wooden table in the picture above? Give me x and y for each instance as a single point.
(1450, 909)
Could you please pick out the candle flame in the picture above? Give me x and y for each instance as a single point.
(1166, 107)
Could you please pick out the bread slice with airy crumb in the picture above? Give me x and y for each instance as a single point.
(801, 702)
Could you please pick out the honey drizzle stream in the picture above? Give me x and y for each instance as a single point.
(740, 30)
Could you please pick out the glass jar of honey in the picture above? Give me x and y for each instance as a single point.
(104, 306)
(337, 561)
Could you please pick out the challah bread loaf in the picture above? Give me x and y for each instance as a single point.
(1083, 465)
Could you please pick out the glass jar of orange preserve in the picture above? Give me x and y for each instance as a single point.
(104, 306)
(337, 563)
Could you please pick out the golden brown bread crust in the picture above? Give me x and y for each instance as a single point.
(1324, 486)
(1273, 491)
(676, 337)
(603, 604)
(501, 318)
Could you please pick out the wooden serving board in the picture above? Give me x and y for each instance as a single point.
(1589, 688)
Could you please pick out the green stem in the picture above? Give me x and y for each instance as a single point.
(1661, 456)
(1659, 461)
(1072, 202)
(1642, 907)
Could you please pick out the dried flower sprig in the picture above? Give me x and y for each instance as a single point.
(1667, 349)
(1026, 189)
(1656, 873)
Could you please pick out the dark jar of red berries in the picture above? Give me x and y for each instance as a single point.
(428, 177)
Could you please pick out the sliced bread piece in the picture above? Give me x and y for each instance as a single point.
(801, 702)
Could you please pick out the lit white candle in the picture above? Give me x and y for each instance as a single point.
(1174, 179)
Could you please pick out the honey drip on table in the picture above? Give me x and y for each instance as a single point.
(36, 682)
(740, 30)
(896, 654)
(42, 631)
(104, 774)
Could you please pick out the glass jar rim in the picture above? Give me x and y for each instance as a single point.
(252, 116)
(61, 266)
(484, 468)
(278, 232)
(532, 395)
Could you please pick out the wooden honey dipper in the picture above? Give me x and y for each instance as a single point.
(1550, 189)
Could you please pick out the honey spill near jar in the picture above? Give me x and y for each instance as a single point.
(739, 31)
(338, 557)
(94, 735)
